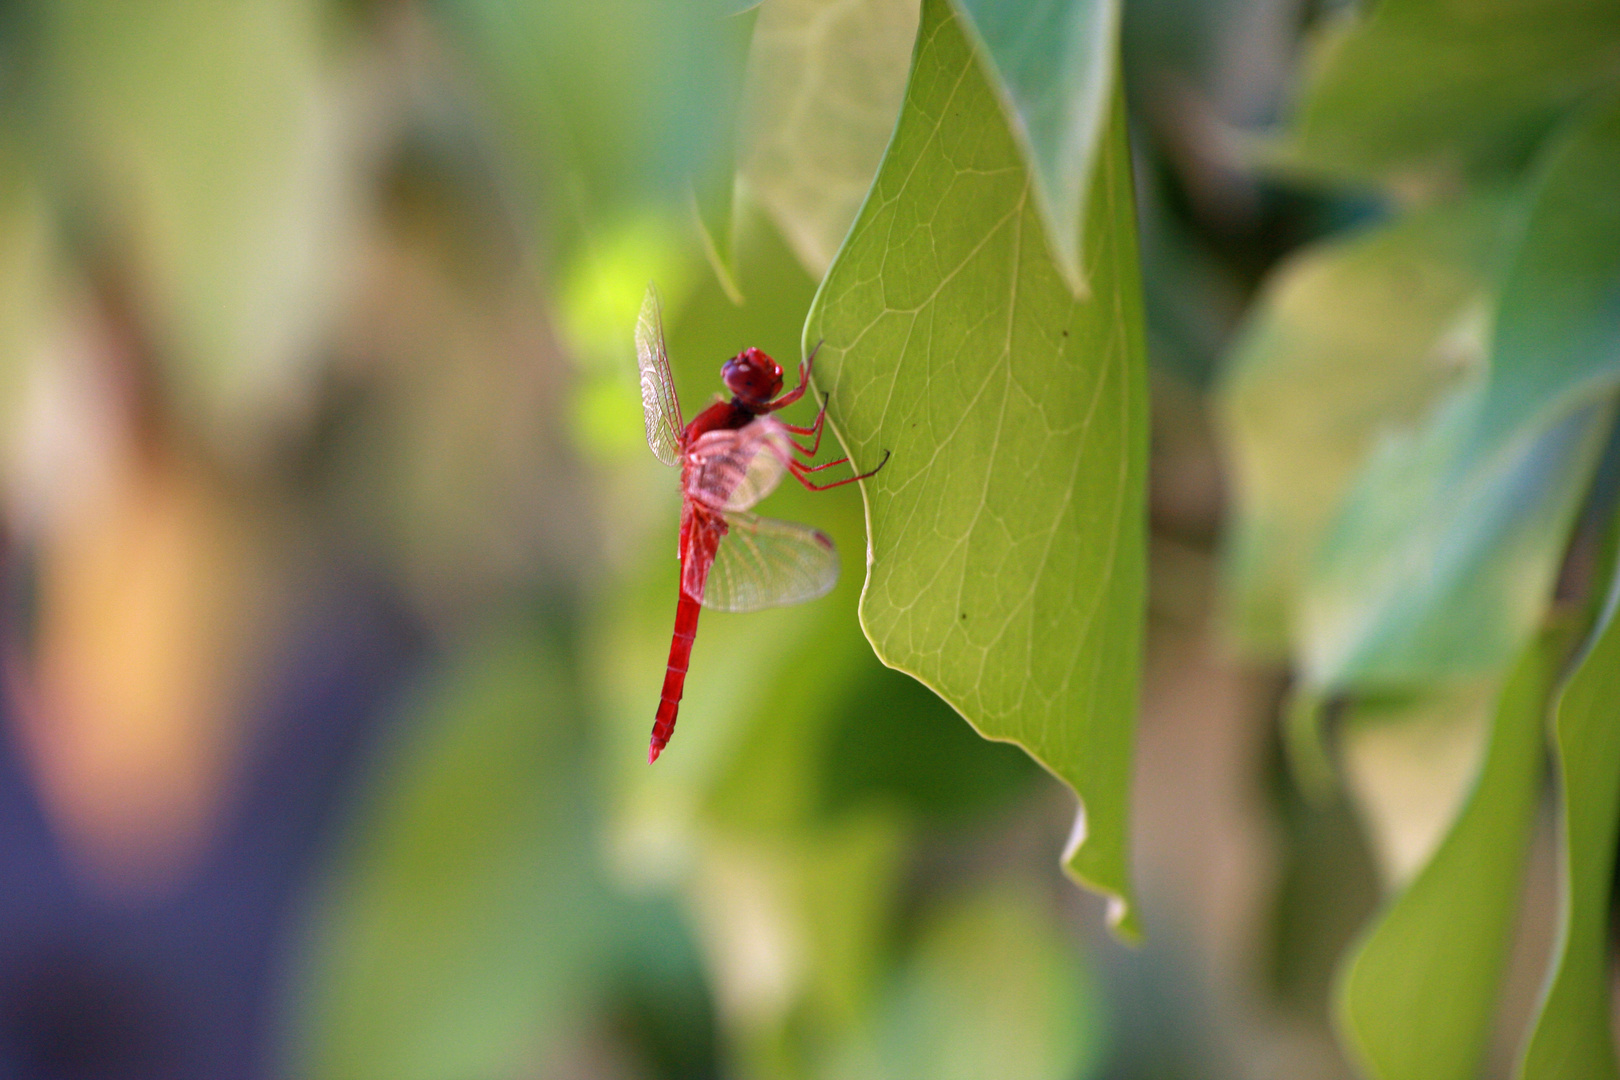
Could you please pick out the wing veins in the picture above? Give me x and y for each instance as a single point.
(763, 563)
(661, 406)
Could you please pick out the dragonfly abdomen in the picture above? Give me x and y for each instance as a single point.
(680, 658)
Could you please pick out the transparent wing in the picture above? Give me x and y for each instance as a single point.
(765, 563)
(733, 470)
(658, 401)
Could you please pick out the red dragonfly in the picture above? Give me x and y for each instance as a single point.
(731, 456)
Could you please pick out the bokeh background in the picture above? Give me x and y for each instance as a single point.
(338, 580)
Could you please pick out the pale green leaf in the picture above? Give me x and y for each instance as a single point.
(1054, 66)
(1558, 328)
(207, 142)
(1006, 533)
(611, 105)
(824, 83)
(1571, 1038)
(714, 179)
(1441, 565)
(1313, 383)
(1443, 557)
(1410, 762)
(793, 924)
(1417, 994)
(1490, 76)
(995, 989)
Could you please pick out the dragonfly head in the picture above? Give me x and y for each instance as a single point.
(753, 376)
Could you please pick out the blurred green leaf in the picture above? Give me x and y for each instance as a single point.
(1410, 762)
(994, 988)
(1441, 564)
(1054, 65)
(599, 292)
(918, 759)
(1571, 1038)
(461, 934)
(206, 141)
(795, 925)
(824, 84)
(1558, 327)
(610, 106)
(1005, 551)
(1444, 555)
(714, 182)
(1417, 994)
(1315, 380)
(1490, 76)
(1327, 890)
(1194, 296)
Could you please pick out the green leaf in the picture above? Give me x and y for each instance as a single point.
(794, 925)
(206, 145)
(1558, 328)
(1417, 995)
(920, 759)
(460, 932)
(1006, 533)
(824, 84)
(1491, 77)
(1313, 383)
(1443, 558)
(1410, 762)
(714, 181)
(1571, 1038)
(611, 105)
(1442, 564)
(1054, 66)
(994, 988)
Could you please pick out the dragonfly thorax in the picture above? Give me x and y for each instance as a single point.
(752, 376)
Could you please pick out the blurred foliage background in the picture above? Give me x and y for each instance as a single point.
(338, 579)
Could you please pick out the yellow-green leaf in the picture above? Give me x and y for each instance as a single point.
(824, 84)
(1054, 66)
(1571, 1039)
(1417, 995)
(1006, 532)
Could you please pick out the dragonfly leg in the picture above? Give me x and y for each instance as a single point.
(814, 429)
(823, 465)
(804, 382)
(799, 473)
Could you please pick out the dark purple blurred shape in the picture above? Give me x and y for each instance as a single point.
(187, 986)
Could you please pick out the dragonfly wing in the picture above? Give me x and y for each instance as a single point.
(733, 469)
(658, 401)
(764, 563)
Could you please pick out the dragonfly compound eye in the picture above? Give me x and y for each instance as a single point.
(752, 375)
